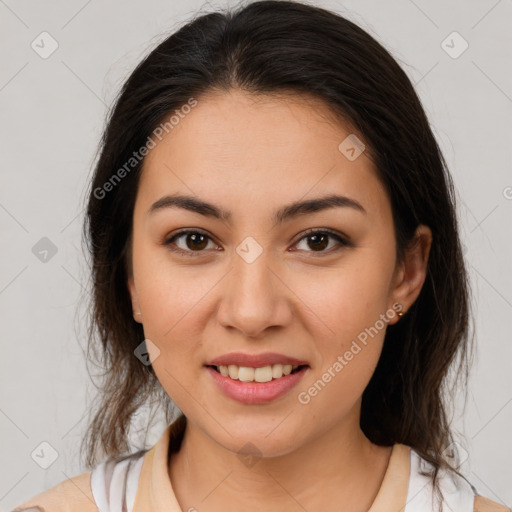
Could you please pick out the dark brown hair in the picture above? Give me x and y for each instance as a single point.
(272, 47)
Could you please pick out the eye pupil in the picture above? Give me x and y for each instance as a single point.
(195, 237)
(316, 237)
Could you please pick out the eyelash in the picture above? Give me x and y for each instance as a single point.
(313, 231)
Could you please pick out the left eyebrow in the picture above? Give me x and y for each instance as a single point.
(282, 215)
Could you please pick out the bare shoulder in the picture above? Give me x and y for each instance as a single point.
(483, 504)
(73, 494)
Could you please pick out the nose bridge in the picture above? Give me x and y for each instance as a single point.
(254, 298)
(252, 278)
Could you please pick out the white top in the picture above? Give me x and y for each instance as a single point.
(459, 493)
(114, 487)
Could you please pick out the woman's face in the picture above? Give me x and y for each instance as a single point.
(254, 281)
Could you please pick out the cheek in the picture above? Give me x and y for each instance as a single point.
(171, 304)
(165, 290)
(347, 359)
(348, 320)
(171, 309)
(334, 390)
(345, 300)
(164, 299)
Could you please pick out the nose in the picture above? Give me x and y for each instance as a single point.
(254, 297)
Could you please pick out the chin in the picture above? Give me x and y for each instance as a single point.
(267, 439)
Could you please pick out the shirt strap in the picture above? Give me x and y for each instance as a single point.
(458, 492)
(114, 483)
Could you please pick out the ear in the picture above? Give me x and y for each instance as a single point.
(411, 274)
(137, 314)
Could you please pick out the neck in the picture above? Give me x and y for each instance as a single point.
(340, 467)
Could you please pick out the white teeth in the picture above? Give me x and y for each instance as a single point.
(233, 371)
(245, 374)
(262, 374)
(277, 371)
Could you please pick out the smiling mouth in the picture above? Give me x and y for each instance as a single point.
(262, 374)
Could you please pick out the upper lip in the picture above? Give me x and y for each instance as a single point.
(255, 360)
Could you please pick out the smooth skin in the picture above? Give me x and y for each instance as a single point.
(252, 155)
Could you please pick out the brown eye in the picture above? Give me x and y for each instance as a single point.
(196, 241)
(193, 241)
(318, 240)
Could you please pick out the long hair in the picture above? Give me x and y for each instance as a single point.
(268, 47)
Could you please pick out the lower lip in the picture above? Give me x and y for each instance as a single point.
(254, 393)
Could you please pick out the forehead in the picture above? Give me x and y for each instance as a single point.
(258, 150)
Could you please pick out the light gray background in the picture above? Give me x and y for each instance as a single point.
(53, 113)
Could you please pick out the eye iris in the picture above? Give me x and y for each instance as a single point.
(316, 238)
(195, 237)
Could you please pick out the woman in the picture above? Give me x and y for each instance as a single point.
(275, 251)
